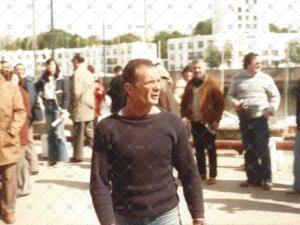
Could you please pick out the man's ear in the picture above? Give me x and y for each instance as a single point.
(128, 88)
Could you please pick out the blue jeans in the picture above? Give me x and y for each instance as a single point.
(171, 217)
(56, 139)
(255, 136)
(297, 163)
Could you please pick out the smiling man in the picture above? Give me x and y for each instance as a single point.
(134, 153)
(255, 97)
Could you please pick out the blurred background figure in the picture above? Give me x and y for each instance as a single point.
(99, 93)
(54, 89)
(186, 75)
(28, 85)
(166, 97)
(5, 70)
(116, 91)
(82, 106)
(23, 172)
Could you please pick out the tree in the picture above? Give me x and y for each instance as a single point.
(163, 37)
(203, 28)
(129, 37)
(294, 51)
(275, 29)
(213, 57)
(228, 48)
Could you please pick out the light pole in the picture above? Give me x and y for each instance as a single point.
(34, 39)
(52, 30)
(286, 81)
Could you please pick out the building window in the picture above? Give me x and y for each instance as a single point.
(275, 52)
(200, 44)
(247, 1)
(240, 25)
(240, 17)
(199, 55)
(180, 45)
(255, 26)
(172, 67)
(210, 43)
(190, 45)
(239, 9)
(247, 26)
(255, 18)
(191, 56)
(241, 54)
(265, 52)
(171, 47)
(172, 56)
(254, 1)
(247, 17)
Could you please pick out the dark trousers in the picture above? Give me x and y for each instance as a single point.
(255, 136)
(204, 139)
(81, 131)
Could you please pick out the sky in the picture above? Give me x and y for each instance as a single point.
(86, 17)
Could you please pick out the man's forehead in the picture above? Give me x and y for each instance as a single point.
(146, 72)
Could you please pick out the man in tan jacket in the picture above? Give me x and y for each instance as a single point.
(12, 118)
(82, 106)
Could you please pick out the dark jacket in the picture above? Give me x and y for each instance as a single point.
(211, 99)
(24, 135)
(298, 107)
(117, 94)
(62, 89)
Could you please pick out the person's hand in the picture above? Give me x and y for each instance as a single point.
(237, 105)
(267, 114)
(185, 120)
(199, 221)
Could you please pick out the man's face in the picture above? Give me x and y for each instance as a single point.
(255, 65)
(147, 88)
(187, 76)
(20, 70)
(5, 68)
(75, 63)
(199, 69)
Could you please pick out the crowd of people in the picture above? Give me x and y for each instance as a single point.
(146, 134)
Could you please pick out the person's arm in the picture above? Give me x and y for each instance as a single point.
(185, 164)
(66, 94)
(273, 96)
(78, 84)
(99, 183)
(19, 113)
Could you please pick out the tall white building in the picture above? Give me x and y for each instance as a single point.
(243, 24)
(94, 55)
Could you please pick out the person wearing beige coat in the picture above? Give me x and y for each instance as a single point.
(12, 118)
(81, 106)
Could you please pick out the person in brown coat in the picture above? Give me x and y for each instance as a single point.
(23, 170)
(202, 105)
(12, 118)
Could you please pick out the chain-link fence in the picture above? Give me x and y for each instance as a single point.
(113, 32)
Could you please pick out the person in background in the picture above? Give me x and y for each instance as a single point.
(54, 89)
(5, 69)
(82, 106)
(202, 105)
(99, 93)
(131, 176)
(296, 167)
(23, 172)
(12, 118)
(187, 75)
(255, 97)
(116, 91)
(166, 98)
(29, 87)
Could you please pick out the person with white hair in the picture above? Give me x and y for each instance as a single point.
(203, 104)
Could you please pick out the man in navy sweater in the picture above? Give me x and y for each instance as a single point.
(134, 153)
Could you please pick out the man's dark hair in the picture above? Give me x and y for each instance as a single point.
(248, 59)
(79, 57)
(129, 72)
(118, 69)
(91, 68)
(18, 64)
(3, 62)
(187, 69)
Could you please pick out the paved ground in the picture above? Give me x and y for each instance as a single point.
(60, 196)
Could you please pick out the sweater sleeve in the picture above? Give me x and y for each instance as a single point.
(231, 94)
(99, 183)
(185, 164)
(273, 95)
(66, 93)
